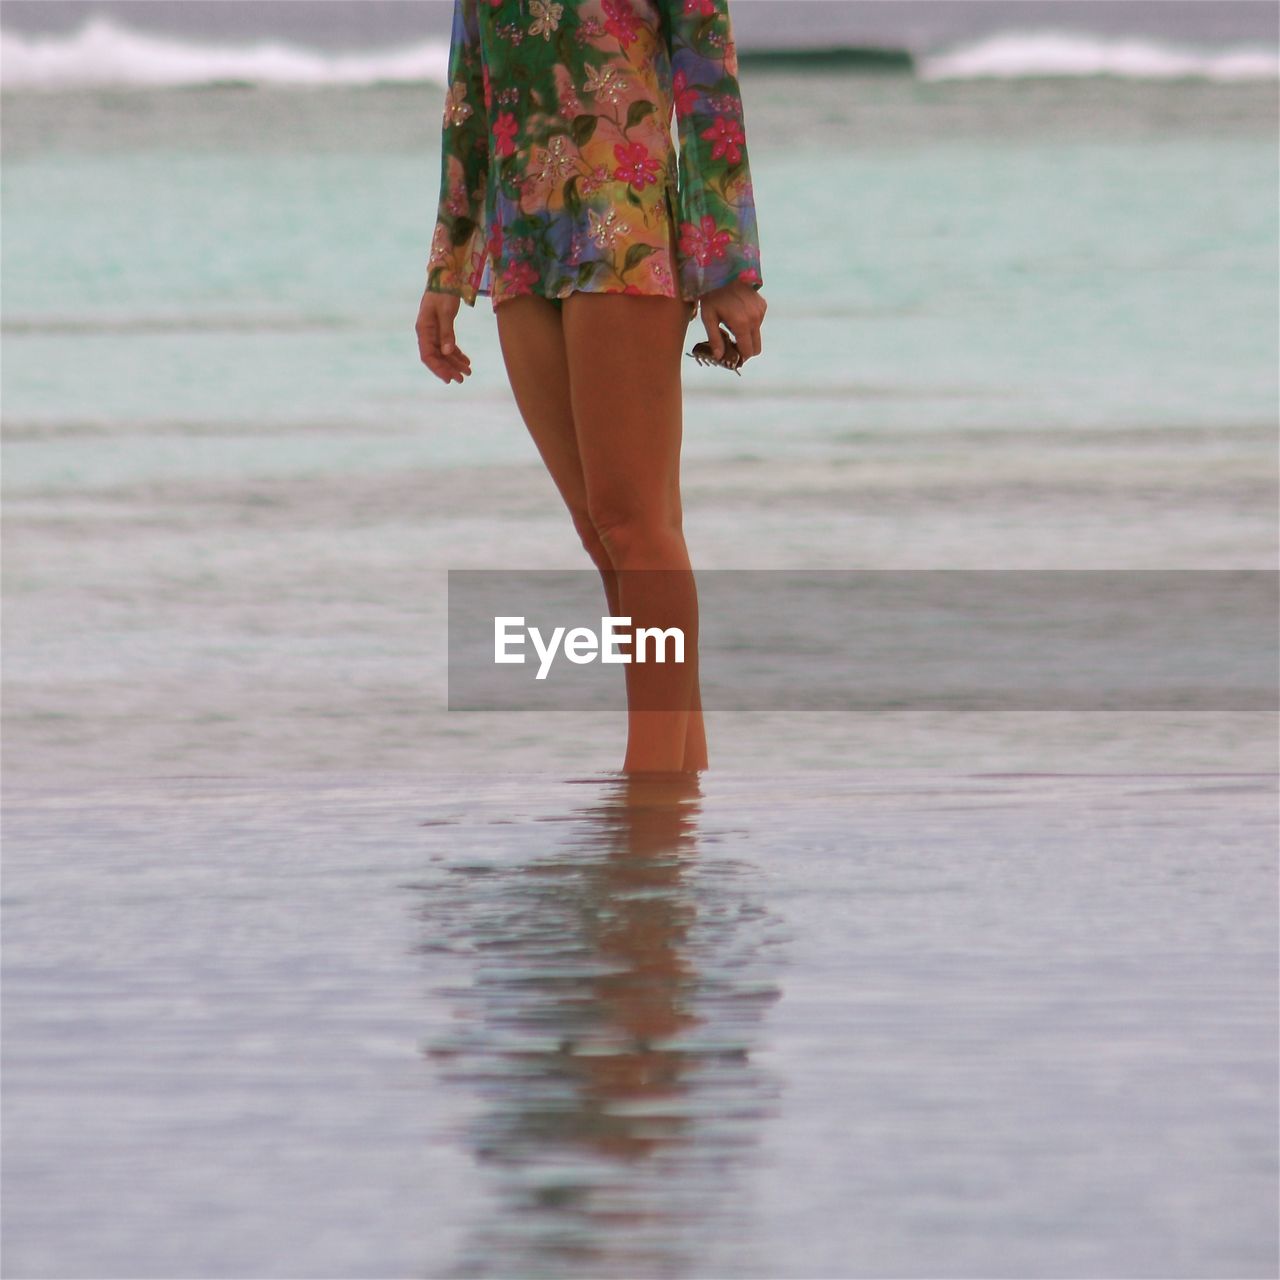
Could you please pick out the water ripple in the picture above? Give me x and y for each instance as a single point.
(603, 1048)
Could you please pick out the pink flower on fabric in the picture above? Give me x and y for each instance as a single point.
(504, 134)
(749, 276)
(704, 243)
(684, 96)
(519, 277)
(622, 22)
(729, 138)
(494, 247)
(635, 164)
(705, 8)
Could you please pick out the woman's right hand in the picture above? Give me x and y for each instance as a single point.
(437, 346)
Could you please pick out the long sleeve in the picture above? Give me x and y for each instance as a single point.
(716, 218)
(457, 256)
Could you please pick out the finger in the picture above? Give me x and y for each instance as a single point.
(741, 337)
(440, 366)
(448, 368)
(450, 349)
(711, 322)
(448, 344)
(742, 340)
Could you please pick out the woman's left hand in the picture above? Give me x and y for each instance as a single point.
(740, 308)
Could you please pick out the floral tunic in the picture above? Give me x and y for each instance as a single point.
(558, 170)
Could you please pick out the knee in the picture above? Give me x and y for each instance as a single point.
(639, 539)
(591, 540)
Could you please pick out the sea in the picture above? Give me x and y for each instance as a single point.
(308, 975)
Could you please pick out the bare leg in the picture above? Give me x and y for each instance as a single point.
(532, 338)
(623, 354)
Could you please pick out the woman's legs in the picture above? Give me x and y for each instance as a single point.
(597, 382)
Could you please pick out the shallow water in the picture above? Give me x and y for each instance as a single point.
(882, 1023)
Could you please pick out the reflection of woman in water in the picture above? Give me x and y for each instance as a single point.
(610, 1027)
(561, 198)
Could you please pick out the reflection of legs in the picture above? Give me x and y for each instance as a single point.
(623, 355)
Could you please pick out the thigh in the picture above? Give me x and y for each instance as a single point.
(531, 336)
(624, 353)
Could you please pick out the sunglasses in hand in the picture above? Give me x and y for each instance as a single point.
(731, 359)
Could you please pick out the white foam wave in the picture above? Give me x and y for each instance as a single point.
(103, 53)
(1064, 53)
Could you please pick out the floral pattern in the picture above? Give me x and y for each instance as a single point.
(558, 170)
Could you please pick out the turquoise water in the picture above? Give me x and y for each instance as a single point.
(246, 260)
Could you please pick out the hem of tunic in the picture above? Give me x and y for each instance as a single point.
(560, 297)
